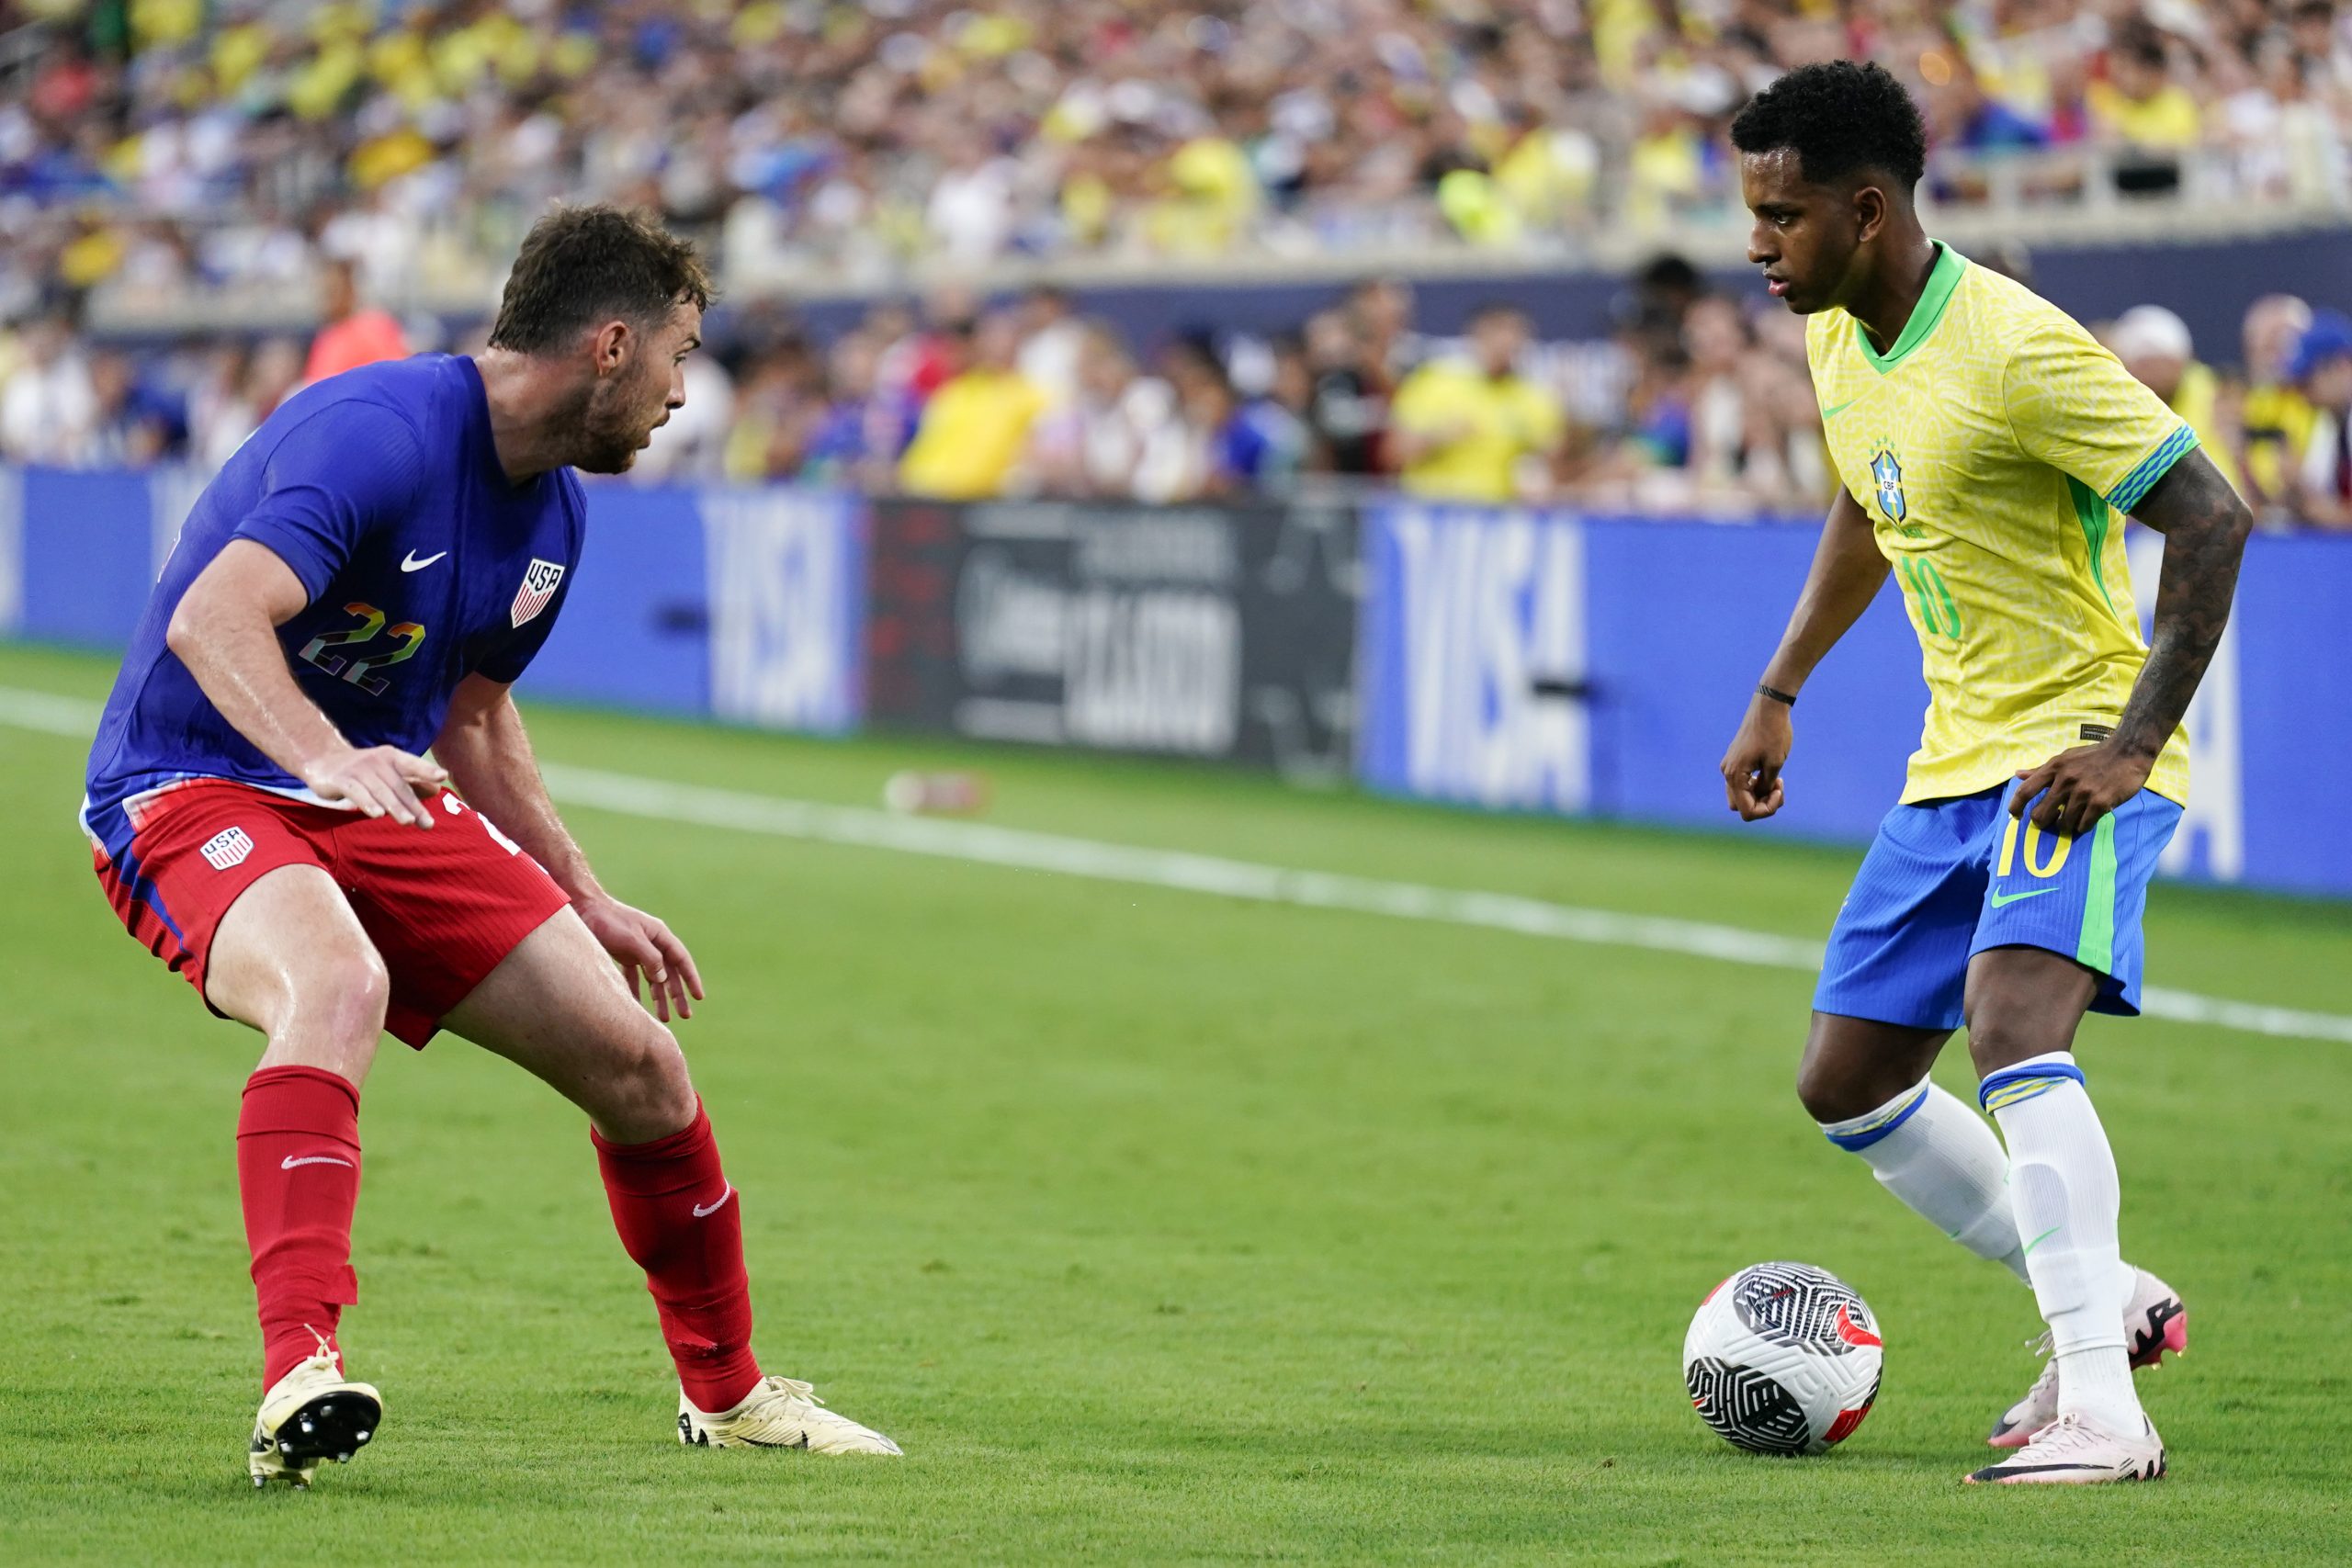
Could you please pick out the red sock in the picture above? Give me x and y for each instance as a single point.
(680, 1219)
(297, 1169)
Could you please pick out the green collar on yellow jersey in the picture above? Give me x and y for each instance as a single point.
(1942, 278)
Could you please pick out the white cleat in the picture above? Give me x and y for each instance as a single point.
(2075, 1450)
(311, 1414)
(781, 1413)
(2154, 1323)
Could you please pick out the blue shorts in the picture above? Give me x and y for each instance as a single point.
(1946, 879)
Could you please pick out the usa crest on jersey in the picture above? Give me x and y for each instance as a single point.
(539, 580)
(1889, 475)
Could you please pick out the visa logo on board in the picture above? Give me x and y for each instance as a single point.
(783, 621)
(1491, 610)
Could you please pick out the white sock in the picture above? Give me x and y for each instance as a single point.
(1929, 1149)
(2063, 1187)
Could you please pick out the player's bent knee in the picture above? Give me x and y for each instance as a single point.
(1827, 1097)
(1995, 1043)
(1818, 1102)
(333, 1014)
(668, 1089)
(2000, 1036)
(367, 987)
(354, 992)
(648, 1093)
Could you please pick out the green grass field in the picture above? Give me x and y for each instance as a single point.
(1156, 1225)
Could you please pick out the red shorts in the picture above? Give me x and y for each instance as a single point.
(443, 908)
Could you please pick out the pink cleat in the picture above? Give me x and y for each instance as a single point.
(2154, 1322)
(2076, 1451)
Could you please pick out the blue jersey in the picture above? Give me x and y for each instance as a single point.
(380, 487)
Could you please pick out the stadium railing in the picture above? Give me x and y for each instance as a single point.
(2070, 197)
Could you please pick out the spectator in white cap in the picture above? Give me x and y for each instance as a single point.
(2155, 346)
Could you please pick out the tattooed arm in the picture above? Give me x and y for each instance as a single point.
(2205, 525)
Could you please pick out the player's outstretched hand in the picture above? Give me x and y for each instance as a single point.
(2078, 787)
(1752, 766)
(656, 964)
(382, 780)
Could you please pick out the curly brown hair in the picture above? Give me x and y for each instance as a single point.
(582, 265)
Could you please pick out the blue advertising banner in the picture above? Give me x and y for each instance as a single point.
(1512, 660)
(787, 586)
(1475, 658)
(744, 603)
(1546, 660)
(632, 630)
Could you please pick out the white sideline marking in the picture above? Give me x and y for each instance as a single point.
(53, 714)
(659, 800)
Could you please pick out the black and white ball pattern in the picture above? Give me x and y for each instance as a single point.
(1746, 1409)
(1782, 1358)
(1795, 1304)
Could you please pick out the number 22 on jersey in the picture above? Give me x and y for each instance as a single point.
(407, 634)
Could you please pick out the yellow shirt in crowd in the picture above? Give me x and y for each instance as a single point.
(2164, 120)
(2198, 400)
(971, 434)
(1501, 420)
(2277, 422)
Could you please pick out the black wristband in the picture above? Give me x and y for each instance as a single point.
(1780, 697)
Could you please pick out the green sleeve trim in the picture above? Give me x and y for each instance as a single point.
(2135, 485)
(2092, 515)
(1942, 279)
(2097, 948)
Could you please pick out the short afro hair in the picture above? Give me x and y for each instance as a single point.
(1839, 118)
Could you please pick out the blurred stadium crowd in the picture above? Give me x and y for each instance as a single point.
(1698, 404)
(163, 144)
(179, 151)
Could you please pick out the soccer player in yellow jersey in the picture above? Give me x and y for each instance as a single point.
(1989, 451)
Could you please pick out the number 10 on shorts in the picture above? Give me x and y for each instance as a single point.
(2033, 838)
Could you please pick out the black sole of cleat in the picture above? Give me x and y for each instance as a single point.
(333, 1425)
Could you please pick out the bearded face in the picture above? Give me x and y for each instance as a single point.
(620, 412)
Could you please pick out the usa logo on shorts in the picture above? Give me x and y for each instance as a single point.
(538, 586)
(227, 848)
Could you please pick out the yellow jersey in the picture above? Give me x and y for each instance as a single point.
(971, 436)
(1495, 422)
(1996, 447)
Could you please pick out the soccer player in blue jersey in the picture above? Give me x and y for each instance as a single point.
(362, 582)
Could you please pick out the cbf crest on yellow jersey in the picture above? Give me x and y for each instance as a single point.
(1996, 447)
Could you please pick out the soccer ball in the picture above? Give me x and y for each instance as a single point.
(1782, 1358)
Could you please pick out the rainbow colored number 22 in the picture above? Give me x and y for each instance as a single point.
(408, 633)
